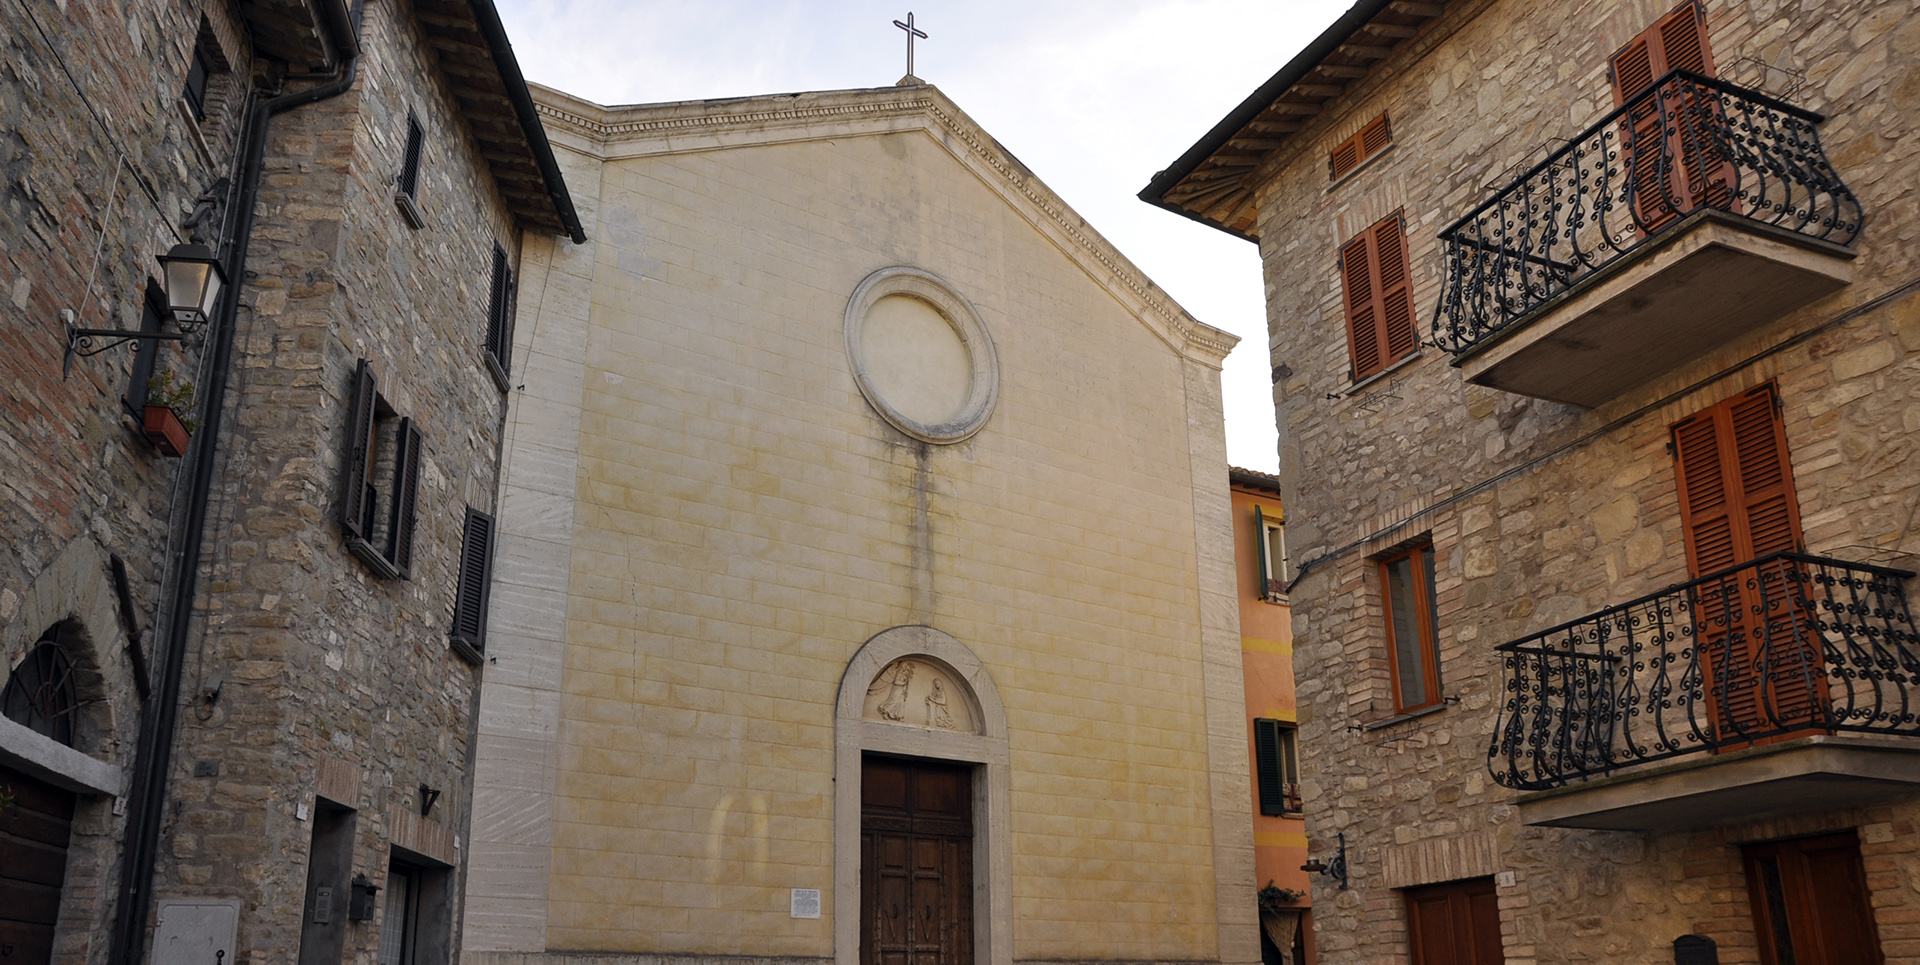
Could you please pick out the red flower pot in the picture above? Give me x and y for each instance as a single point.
(165, 431)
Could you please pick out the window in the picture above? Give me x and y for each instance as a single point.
(1270, 540)
(39, 694)
(1379, 298)
(406, 184)
(196, 89)
(1276, 766)
(380, 480)
(1412, 652)
(469, 634)
(500, 318)
(1354, 151)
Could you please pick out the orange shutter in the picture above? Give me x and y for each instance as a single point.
(1653, 142)
(1379, 297)
(1370, 140)
(1737, 504)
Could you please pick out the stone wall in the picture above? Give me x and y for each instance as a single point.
(1527, 533)
(325, 666)
(101, 162)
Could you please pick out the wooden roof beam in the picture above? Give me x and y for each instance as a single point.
(1394, 30)
(1427, 10)
(1293, 109)
(1366, 51)
(1253, 144)
(1344, 71)
(1319, 90)
(1274, 127)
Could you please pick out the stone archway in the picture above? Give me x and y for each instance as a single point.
(916, 692)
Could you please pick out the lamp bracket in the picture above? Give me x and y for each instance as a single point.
(81, 341)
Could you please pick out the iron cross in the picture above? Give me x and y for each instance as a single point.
(912, 32)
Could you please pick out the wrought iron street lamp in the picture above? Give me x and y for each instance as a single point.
(194, 280)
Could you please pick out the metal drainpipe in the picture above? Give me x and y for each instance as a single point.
(154, 757)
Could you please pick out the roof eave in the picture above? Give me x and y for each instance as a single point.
(487, 18)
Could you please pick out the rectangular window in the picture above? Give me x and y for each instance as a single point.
(196, 88)
(1354, 151)
(1379, 297)
(1412, 650)
(406, 183)
(380, 480)
(469, 634)
(1270, 542)
(500, 318)
(1276, 766)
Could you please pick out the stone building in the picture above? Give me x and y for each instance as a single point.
(865, 575)
(239, 666)
(1266, 661)
(1595, 387)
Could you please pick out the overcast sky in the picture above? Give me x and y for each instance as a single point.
(1093, 95)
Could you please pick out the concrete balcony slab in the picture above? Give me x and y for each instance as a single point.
(1712, 278)
(1819, 773)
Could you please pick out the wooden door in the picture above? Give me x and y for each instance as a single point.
(1760, 657)
(1457, 923)
(33, 866)
(1810, 904)
(916, 863)
(1674, 160)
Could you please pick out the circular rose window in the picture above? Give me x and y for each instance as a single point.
(921, 355)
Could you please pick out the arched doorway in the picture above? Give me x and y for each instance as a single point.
(920, 805)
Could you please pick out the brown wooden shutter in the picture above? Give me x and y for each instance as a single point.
(1367, 142)
(1667, 132)
(1737, 500)
(353, 476)
(499, 312)
(409, 179)
(406, 488)
(475, 583)
(1379, 297)
(1268, 773)
(1763, 671)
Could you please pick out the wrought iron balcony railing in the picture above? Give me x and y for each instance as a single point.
(1781, 647)
(1688, 142)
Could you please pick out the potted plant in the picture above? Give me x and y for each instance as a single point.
(1273, 898)
(168, 418)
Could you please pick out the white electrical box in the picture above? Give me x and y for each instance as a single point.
(196, 933)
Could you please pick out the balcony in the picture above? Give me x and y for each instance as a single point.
(1788, 683)
(1693, 213)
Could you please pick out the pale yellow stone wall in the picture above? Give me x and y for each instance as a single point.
(744, 521)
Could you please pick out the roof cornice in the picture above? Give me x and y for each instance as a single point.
(645, 130)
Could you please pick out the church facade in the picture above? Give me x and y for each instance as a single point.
(864, 585)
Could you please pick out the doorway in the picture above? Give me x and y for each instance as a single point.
(916, 862)
(1810, 902)
(34, 831)
(1457, 923)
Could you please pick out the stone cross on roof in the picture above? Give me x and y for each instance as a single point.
(912, 32)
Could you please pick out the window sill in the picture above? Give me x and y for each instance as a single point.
(1403, 718)
(374, 558)
(409, 208)
(1362, 166)
(1355, 388)
(466, 651)
(499, 373)
(1280, 600)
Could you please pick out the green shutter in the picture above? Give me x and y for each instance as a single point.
(1268, 773)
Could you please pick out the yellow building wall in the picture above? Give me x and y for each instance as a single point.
(1266, 650)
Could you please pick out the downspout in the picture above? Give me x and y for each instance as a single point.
(154, 757)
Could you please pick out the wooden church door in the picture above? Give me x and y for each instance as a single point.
(916, 862)
(1760, 658)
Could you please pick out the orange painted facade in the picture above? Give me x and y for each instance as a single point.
(1266, 653)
